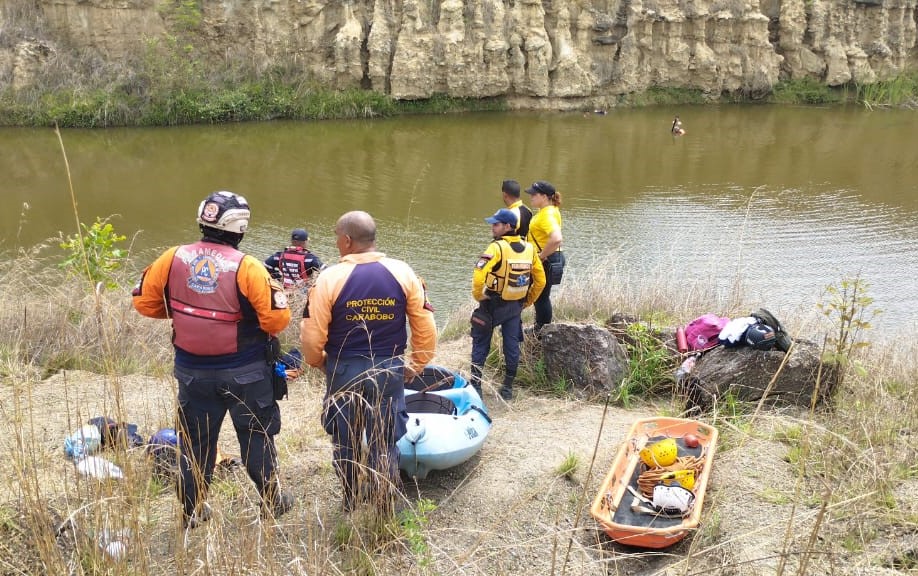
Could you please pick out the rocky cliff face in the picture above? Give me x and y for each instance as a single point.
(536, 53)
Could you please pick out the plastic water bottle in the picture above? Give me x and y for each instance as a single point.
(686, 368)
(83, 441)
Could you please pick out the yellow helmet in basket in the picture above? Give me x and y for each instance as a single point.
(662, 453)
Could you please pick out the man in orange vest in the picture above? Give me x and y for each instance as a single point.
(226, 311)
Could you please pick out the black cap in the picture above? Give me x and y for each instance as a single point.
(299, 234)
(511, 187)
(541, 187)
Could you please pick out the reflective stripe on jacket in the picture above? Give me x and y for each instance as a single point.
(292, 266)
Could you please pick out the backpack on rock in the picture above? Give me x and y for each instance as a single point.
(782, 341)
(702, 332)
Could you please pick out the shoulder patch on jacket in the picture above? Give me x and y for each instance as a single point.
(483, 261)
(278, 296)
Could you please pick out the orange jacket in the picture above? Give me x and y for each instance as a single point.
(266, 295)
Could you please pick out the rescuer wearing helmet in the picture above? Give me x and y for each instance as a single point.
(508, 277)
(226, 311)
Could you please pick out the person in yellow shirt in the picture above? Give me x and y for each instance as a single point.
(226, 311)
(507, 278)
(545, 235)
(510, 193)
(355, 328)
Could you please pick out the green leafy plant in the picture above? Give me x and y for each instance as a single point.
(849, 309)
(899, 91)
(414, 524)
(804, 91)
(649, 363)
(94, 253)
(568, 466)
(187, 14)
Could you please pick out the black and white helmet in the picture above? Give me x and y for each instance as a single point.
(225, 211)
(760, 336)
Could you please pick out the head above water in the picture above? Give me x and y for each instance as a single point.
(355, 232)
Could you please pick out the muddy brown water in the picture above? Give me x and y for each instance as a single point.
(790, 198)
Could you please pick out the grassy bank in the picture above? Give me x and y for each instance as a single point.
(840, 476)
(268, 98)
(170, 81)
(272, 96)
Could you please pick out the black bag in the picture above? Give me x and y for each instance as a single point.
(554, 268)
(279, 381)
(783, 340)
(482, 320)
(278, 370)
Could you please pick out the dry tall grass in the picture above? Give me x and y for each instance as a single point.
(831, 487)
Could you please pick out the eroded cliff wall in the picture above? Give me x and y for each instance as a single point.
(530, 51)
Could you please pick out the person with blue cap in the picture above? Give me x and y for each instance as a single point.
(508, 277)
(294, 265)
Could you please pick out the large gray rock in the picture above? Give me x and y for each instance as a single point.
(747, 374)
(586, 356)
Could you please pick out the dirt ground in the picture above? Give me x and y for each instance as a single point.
(506, 511)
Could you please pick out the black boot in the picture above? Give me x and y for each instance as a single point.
(506, 391)
(476, 380)
(275, 502)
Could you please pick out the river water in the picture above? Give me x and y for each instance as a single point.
(785, 200)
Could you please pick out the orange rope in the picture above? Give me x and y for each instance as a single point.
(653, 476)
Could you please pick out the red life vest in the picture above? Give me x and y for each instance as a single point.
(204, 300)
(292, 265)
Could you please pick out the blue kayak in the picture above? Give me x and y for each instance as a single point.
(447, 422)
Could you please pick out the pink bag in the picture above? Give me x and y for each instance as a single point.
(701, 333)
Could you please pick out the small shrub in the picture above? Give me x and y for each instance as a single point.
(804, 91)
(414, 524)
(568, 466)
(94, 253)
(849, 309)
(650, 364)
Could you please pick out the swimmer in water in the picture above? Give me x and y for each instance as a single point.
(677, 127)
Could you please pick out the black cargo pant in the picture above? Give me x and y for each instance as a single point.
(204, 398)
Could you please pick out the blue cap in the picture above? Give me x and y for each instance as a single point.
(503, 216)
(299, 234)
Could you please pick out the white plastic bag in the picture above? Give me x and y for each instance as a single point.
(99, 467)
(83, 441)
